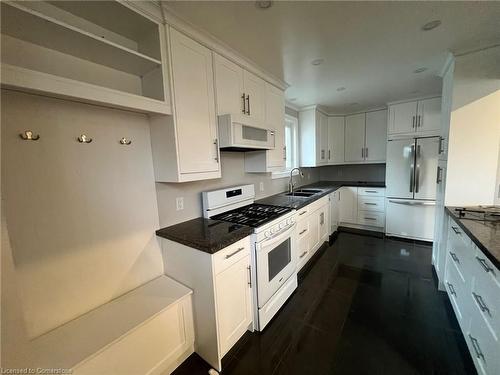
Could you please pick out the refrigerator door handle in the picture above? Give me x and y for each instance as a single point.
(417, 169)
(413, 203)
(412, 167)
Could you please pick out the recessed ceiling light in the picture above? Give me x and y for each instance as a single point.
(341, 88)
(431, 25)
(317, 62)
(263, 4)
(420, 70)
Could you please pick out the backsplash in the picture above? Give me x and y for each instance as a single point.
(233, 173)
(357, 172)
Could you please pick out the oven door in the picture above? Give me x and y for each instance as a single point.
(276, 262)
(253, 137)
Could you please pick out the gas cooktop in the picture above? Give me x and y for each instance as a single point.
(253, 215)
(485, 213)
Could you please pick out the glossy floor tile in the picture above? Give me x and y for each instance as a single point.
(365, 305)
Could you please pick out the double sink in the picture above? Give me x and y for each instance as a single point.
(304, 193)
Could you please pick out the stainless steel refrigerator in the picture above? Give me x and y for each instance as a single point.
(411, 175)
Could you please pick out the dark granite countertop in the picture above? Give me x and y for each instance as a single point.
(485, 234)
(206, 235)
(326, 186)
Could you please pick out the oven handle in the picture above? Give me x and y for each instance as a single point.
(284, 233)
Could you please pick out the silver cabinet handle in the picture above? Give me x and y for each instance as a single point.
(216, 143)
(249, 268)
(456, 230)
(329, 155)
(302, 232)
(485, 265)
(412, 203)
(303, 255)
(454, 257)
(362, 152)
(322, 218)
(418, 121)
(438, 177)
(234, 252)
(371, 191)
(413, 121)
(417, 171)
(440, 146)
(370, 218)
(366, 153)
(370, 204)
(302, 213)
(452, 289)
(244, 104)
(475, 345)
(284, 153)
(412, 166)
(481, 303)
(248, 104)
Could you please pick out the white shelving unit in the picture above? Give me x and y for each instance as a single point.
(100, 52)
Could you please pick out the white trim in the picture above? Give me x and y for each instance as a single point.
(449, 60)
(292, 106)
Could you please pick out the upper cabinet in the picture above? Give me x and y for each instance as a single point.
(313, 128)
(336, 140)
(67, 50)
(239, 92)
(415, 118)
(365, 137)
(185, 145)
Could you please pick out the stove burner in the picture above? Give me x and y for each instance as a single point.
(253, 215)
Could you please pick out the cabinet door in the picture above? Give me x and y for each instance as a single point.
(275, 119)
(429, 115)
(376, 136)
(255, 89)
(323, 223)
(322, 140)
(402, 118)
(335, 140)
(348, 204)
(304, 248)
(334, 211)
(193, 95)
(234, 303)
(313, 231)
(228, 86)
(355, 137)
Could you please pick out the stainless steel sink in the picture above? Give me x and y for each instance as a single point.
(300, 194)
(314, 191)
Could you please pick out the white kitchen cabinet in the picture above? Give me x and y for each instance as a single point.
(355, 138)
(348, 204)
(222, 298)
(334, 211)
(313, 128)
(376, 136)
(314, 230)
(336, 139)
(255, 91)
(185, 146)
(415, 118)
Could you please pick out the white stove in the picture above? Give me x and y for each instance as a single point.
(274, 267)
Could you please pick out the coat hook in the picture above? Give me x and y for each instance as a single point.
(125, 141)
(84, 139)
(28, 136)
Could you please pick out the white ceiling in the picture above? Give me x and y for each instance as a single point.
(371, 48)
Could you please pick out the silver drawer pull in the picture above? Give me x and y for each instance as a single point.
(371, 191)
(302, 213)
(370, 218)
(456, 230)
(485, 265)
(452, 289)
(371, 204)
(475, 345)
(303, 255)
(235, 252)
(249, 268)
(302, 232)
(481, 303)
(454, 257)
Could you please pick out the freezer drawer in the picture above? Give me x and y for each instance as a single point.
(410, 218)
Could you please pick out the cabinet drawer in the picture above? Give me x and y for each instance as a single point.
(302, 213)
(302, 228)
(373, 218)
(374, 192)
(483, 346)
(231, 254)
(303, 253)
(367, 203)
(455, 287)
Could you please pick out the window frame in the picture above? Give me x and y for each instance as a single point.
(295, 148)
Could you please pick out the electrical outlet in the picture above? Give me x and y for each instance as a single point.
(261, 186)
(179, 203)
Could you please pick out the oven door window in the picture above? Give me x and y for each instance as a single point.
(278, 258)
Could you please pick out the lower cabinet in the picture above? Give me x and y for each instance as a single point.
(334, 211)
(473, 286)
(362, 207)
(313, 229)
(222, 298)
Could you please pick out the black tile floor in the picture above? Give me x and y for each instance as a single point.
(365, 305)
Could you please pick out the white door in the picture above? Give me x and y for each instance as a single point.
(255, 91)
(275, 119)
(348, 204)
(234, 303)
(228, 86)
(410, 219)
(426, 163)
(334, 211)
(429, 115)
(399, 168)
(376, 136)
(335, 140)
(193, 95)
(355, 137)
(402, 118)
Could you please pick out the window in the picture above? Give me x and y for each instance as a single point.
(291, 142)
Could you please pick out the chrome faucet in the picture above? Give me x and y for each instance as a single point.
(290, 183)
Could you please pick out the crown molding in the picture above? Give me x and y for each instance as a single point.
(292, 106)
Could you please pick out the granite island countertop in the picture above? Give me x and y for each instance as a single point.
(206, 235)
(327, 187)
(485, 234)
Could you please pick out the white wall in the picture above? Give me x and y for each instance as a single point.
(474, 138)
(78, 220)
